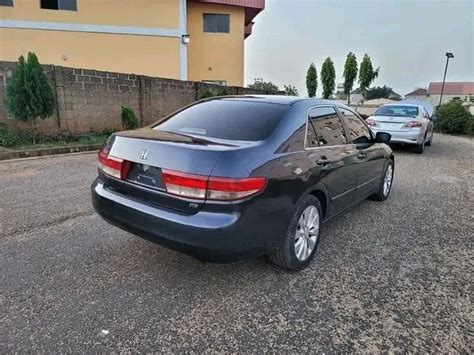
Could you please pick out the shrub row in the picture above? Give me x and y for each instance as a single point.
(12, 138)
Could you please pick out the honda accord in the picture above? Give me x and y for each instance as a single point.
(240, 176)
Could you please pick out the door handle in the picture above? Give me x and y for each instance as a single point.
(361, 155)
(323, 161)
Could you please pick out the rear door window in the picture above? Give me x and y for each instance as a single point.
(327, 125)
(358, 132)
(226, 119)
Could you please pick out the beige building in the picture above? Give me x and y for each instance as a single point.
(199, 40)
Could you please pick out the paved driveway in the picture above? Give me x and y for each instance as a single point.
(388, 276)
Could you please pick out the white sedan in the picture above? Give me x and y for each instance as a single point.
(406, 123)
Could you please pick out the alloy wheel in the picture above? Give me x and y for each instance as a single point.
(307, 233)
(387, 184)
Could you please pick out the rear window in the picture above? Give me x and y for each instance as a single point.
(404, 111)
(226, 119)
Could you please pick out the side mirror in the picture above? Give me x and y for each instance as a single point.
(383, 137)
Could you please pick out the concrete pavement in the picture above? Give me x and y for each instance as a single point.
(388, 276)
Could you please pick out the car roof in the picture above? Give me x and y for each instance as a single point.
(278, 99)
(402, 104)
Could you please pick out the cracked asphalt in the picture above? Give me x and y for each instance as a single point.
(392, 276)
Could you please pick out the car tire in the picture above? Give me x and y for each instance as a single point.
(382, 194)
(290, 255)
(428, 144)
(421, 147)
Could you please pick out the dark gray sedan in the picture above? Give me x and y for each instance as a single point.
(234, 177)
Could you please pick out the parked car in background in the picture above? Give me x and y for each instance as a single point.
(407, 123)
(233, 177)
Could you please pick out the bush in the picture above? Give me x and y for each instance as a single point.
(129, 119)
(206, 94)
(10, 137)
(453, 118)
(222, 92)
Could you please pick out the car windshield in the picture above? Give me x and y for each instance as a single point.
(399, 110)
(226, 119)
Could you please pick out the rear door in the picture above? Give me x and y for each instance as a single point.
(370, 156)
(428, 122)
(331, 156)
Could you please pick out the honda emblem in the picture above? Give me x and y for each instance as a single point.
(145, 154)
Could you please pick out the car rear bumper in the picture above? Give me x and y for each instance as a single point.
(208, 236)
(413, 136)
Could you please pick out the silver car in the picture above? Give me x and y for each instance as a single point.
(407, 123)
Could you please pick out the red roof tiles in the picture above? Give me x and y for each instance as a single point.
(452, 88)
(418, 92)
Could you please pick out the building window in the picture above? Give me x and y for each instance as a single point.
(215, 82)
(6, 2)
(70, 5)
(216, 23)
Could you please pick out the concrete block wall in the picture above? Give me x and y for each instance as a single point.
(91, 100)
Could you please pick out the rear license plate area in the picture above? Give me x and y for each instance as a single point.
(146, 175)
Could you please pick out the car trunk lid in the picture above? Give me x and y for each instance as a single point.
(392, 123)
(152, 151)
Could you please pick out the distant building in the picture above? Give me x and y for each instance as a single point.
(356, 97)
(463, 90)
(340, 95)
(199, 40)
(418, 94)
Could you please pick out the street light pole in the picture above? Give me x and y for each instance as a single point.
(448, 56)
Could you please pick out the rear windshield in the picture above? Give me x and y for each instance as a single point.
(405, 111)
(226, 119)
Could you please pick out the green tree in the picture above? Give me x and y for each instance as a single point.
(267, 87)
(29, 96)
(367, 74)
(291, 90)
(312, 80)
(379, 92)
(350, 74)
(328, 78)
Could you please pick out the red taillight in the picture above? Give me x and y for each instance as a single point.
(411, 124)
(212, 188)
(234, 189)
(115, 167)
(186, 185)
(370, 122)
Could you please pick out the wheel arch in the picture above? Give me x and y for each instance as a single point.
(321, 193)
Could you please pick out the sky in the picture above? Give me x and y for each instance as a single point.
(406, 39)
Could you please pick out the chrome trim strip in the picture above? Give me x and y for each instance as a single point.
(367, 182)
(80, 27)
(344, 193)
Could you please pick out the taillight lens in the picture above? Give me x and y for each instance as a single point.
(112, 166)
(411, 124)
(234, 189)
(211, 188)
(186, 185)
(370, 122)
